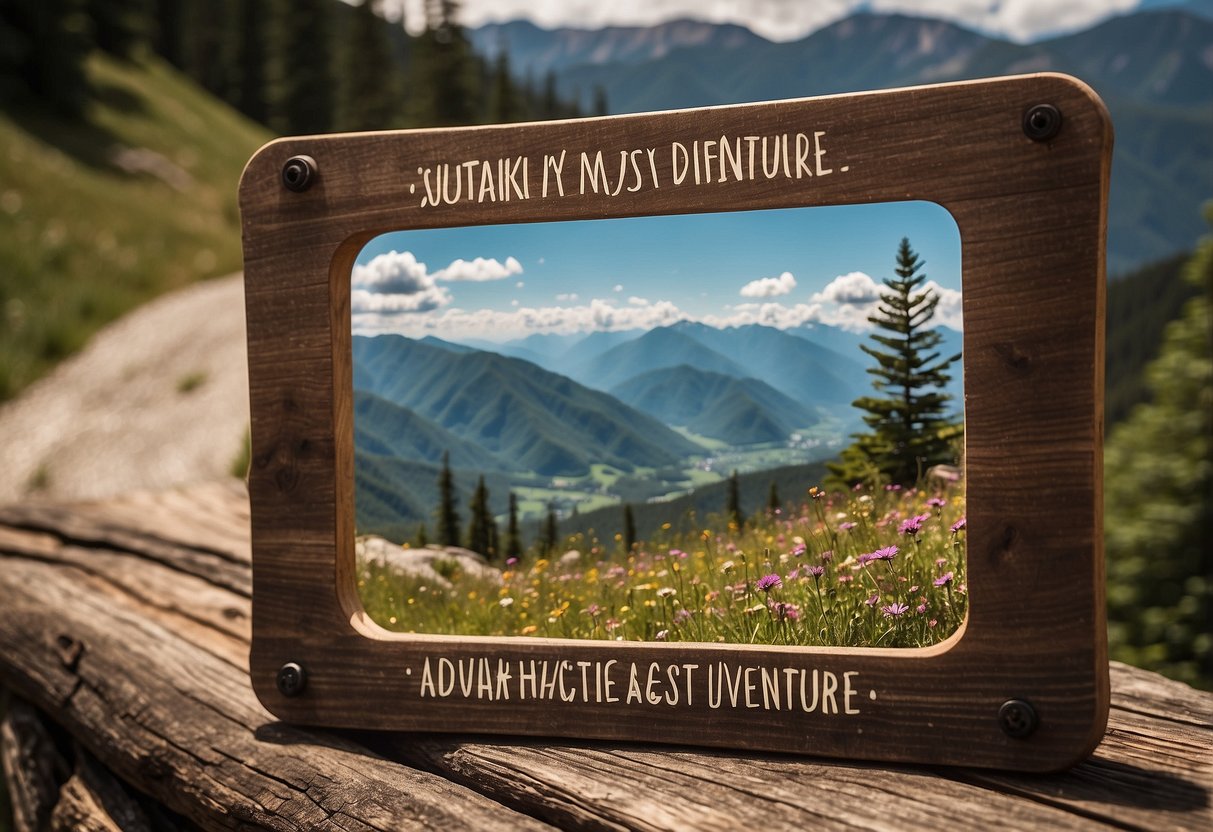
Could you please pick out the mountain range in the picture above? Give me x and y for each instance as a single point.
(501, 411)
(1154, 69)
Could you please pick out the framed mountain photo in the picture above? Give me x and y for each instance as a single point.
(541, 420)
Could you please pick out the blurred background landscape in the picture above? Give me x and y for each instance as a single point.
(125, 125)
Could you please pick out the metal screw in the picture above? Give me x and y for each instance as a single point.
(292, 679)
(298, 173)
(1017, 718)
(1042, 122)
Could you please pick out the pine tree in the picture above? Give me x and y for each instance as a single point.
(909, 421)
(43, 44)
(369, 97)
(1158, 502)
(120, 27)
(304, 99)
(513, 537)
(246, 59)
(445, 75)
(773, 502)
(422, 539)
(504, 105)
(480, 527)
(629, 528)
(547, 534)
(733, 507)
(448, 516)
(600, 101)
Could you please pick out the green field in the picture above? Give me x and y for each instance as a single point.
(99, 215)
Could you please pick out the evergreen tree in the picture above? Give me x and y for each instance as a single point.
(445, 73)
(448, 516)
(773, 502)
(370, 97)
(504, 103)
(909, 421)
(304, 100)
(43, 44)
(733, 507)
(629, 528)
(513, 537)
(480, 527)
(120, 27)
(547, 533)
(1158, 505)
(169, 33)
(600, 101)
(246, 59)
(422, 539)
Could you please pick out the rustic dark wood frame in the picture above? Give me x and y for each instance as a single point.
(1031, 215)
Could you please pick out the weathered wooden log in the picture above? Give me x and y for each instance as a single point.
(94, 801)
(127, 623)
(32, 766)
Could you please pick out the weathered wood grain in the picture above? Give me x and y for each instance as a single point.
(32, 766)
(1031, 216)
(92, 800)
(143, 686)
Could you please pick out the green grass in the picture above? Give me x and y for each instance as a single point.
(806, 576)
(82, 241)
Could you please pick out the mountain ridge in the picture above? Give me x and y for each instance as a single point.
(1151, 67)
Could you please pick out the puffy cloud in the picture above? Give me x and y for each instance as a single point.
(598, 314)
(567, 297)
(948, 311)
(519, 284)
(363, 302)
(395, 283)
(618, 287)
(769, 287)
(635, 301)
(479, 270)
(851, 288)
(394, 273)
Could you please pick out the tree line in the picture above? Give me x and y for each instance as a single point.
(296, 66)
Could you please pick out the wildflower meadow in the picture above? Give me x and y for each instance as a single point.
(870, 568)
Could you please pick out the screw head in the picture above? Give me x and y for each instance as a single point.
(292, 679)
(1042, 122)
(1017, 718)
(298, 173)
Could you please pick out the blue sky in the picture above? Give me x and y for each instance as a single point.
(781, 268)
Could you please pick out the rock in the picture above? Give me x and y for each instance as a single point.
(430, 564)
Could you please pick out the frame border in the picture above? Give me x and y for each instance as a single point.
(1032, 220)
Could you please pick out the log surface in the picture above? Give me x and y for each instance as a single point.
(125, 624)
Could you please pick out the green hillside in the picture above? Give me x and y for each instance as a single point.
(100, 215)
(529, 418)
(688, 512)
(739, 411)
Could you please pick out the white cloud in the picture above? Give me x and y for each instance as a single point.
(598, 314)
(397, 272)
(363, 302)
(948, 311)
(769, 287)
(854, 288)
(519, 284)
(567, 297)
(783, 20)
(635, 301)
(479, 270)
(395, 283)
(618, 287)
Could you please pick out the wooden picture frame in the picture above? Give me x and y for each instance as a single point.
(1021, 163)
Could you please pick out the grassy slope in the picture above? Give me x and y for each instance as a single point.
(82, 242)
